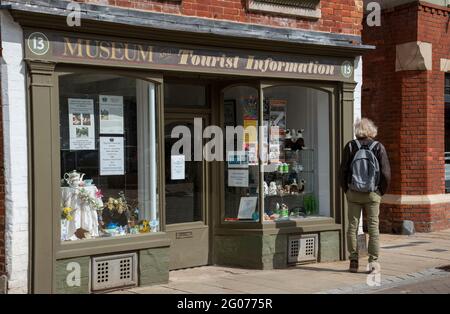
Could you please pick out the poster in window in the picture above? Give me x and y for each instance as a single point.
(247, 207)
(177, 167)
(229, 107)
(250, 108)
(111, 114)
(81, 124)
(237, 159)
(112, 156)
(278, 112)
(238, 178)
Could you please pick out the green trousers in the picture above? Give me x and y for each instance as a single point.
(370, 202)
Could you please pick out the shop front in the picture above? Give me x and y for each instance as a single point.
(139, 167)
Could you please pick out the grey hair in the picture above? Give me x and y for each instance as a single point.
(365, 128)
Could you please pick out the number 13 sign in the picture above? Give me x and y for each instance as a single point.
(38, 44)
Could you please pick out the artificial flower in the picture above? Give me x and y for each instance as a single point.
(98, 193)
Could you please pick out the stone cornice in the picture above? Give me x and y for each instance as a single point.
(430, 199)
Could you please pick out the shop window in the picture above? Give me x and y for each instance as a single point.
(108, 156)
(297, 168)
(241, 165)
(291, 151)
(447, 133)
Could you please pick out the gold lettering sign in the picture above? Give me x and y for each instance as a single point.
(163, 56)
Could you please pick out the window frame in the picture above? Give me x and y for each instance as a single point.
(335, 122)
(111, 244)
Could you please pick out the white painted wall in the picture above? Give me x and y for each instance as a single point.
(15, 150)
(357, 109)
(358, 89)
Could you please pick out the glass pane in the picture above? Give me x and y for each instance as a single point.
(297, 173)
(184, 191)
(241, 152)
(184, 95)
(105, 141)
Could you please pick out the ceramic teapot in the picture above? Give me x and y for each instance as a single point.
(73, 178)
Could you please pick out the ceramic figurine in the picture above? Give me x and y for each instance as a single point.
(302, 186)
(294, 187)
(288, 134)
(145, 228)
(273, 188)
(154, 225)
(280, 190)
(266, 189)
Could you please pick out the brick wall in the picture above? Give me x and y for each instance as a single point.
(338, 16)
(408, 107)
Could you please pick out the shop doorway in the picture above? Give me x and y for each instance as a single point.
(186, 197)
(186, 176)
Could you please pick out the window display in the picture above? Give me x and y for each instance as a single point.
(108, 138)
(296, 171)
(241, 166)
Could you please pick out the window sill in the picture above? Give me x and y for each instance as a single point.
(305, 225)
(112, 245)
(257, 6)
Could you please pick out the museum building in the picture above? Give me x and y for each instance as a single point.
(99, 193)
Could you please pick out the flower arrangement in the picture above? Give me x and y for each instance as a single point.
(119, 204)
(84, 195)
(65, 213)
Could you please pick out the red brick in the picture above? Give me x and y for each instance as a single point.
(408, 107)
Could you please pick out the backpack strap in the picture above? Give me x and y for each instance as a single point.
(358, 144)
(372, 146)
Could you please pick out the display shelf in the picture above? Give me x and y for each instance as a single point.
(301, 170)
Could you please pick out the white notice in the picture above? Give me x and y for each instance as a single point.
(238, 178)
(112, 156)
(111, 114)
(177, 167)
(81, 124)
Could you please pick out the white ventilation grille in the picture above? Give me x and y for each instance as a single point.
(114, 271)
(302, 248)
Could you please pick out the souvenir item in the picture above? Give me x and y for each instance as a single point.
(73, 178)
(272, 188)
(266, 189)
(302, 186)
(154, 225)
(295, 141)
(284, 211)
(280, 190)
(294, 187)
(145, 227)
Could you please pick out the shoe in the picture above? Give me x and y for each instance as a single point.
(372, 268)
(354, 265)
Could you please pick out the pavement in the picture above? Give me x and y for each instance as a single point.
(408, 264)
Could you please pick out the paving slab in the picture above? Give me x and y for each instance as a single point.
(404, 260)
